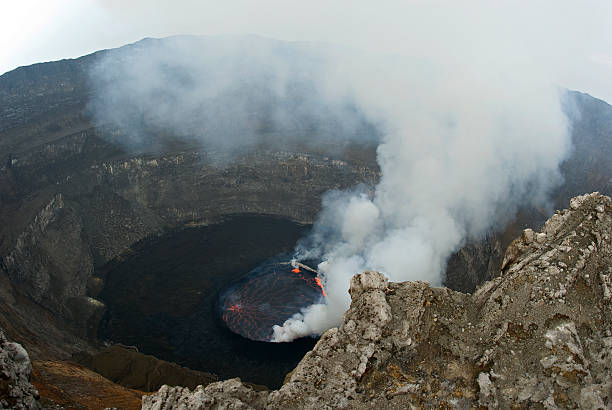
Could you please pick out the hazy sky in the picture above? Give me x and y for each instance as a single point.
(574, 36)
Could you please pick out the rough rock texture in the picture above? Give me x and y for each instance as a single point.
(16, 391)
(228, 394)
(475, 263)
(51, 262)
(540, 335)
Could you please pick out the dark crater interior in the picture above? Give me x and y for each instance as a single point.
(163, 298)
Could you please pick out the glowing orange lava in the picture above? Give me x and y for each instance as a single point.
(320, 285)
(269, 295)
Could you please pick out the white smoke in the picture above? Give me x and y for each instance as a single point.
(228, 94)
(466, 106)
(466, 140)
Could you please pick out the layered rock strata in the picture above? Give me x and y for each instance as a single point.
(539, 334)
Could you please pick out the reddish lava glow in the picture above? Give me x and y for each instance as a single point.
(319, 284)
(269, 295)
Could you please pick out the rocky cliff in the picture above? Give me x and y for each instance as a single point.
(540, 334)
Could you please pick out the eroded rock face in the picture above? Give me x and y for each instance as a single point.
(71, 212)
(51, 262)
(16, 392)
(539, 334)
(474, 263)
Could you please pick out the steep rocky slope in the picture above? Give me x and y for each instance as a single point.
(539, 334)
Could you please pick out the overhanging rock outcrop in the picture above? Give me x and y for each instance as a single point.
(539, 334)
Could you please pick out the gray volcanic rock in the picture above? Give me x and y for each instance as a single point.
(539, 334)
(228, 394)
(16, 392)
(51, 262)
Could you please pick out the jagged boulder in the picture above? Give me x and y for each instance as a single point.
(16, 391)
(540, 334)
(228, 394)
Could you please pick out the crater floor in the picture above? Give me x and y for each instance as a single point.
(162, 298)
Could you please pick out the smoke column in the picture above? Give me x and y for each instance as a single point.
(461, 147)
(464, 100)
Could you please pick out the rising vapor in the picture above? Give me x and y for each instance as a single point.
(462, 149)
(466, 110)
(226, 93)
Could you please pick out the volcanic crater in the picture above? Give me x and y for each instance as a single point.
(100, 243)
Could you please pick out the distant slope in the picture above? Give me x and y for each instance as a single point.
(589, 167)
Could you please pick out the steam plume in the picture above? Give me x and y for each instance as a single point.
(469, 124)
(463, 143)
